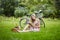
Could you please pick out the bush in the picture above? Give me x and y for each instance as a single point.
(20, 11)
(1, 11)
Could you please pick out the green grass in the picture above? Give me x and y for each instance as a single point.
(51, 32)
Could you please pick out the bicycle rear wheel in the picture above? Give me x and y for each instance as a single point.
(23, 22)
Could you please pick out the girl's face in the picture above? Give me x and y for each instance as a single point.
(33, 17)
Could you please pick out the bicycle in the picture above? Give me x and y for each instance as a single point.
(23, 21)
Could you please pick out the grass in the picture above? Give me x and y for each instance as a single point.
(51, 32)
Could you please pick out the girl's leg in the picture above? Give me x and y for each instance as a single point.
(26, 27)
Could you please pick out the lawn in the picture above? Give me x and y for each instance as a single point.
(50, 32)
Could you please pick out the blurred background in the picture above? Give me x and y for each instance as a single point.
(12, 10)
(19, 8)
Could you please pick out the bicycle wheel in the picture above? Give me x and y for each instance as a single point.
(23, 22)
(42, 23)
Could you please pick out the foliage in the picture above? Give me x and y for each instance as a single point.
(29, 6)
(57, 5)
(21, 11)
(8, 6)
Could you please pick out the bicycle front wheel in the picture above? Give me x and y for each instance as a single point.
(42, 23)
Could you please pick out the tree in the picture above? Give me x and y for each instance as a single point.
(8, 6)
(57, 5)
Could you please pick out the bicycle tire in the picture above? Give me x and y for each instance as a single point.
(41, 20)
(20, 22)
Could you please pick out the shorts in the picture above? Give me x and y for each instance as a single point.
(34, 29)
